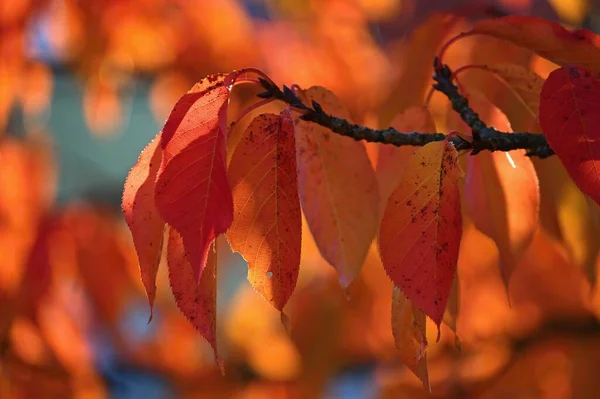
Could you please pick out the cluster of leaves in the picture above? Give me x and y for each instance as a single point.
(186, 186)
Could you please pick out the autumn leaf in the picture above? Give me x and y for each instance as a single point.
(409, 330)
(420, 234)
(415, 78)
(546, 38)
(502, 193)
(570, 116)
(196, 300)
(142, 216)
(338, 189)
(192, 193)
(267, 223)
(392, 161)
(525, 87)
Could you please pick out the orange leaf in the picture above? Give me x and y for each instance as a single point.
(267, 223)
(392, 160)
(502, 193)
(409, 327)
(192, 193)
(526, 87)
(570, 117)
(338, 189)
(142, 217)
(196, 300)
(421, 229)
(546, 38)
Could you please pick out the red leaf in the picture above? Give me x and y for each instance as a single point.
(548, 39)
(267, 223)
(570, 119)
(338, 189)
(142, 217)
(192, 192)
(196, 300)
(420, 233)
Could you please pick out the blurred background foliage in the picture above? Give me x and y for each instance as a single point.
(84, 85)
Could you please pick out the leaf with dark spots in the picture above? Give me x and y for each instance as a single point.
(391, 160)
(420, 250)
(267, 223)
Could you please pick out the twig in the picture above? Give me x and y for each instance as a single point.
(484, 137)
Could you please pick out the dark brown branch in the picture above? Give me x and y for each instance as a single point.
(484, 137)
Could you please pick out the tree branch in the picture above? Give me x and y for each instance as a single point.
(484, 137)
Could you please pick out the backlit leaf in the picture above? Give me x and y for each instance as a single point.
(192, 192)
(546, 38)
(502, 193)
(526, 87)
(338, 189)
(409, 329)
(421, 229)
(392, 160)
(267, 224)
(570, 118)
(142, 217)
(196, 300)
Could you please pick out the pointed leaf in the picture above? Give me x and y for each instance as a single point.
(546, 38)
(338, 189)
(570, 119)
(502, 193)
(267, 224)
(192, 192)
(142, 217)
(409, 330)
(421, 229)
(196, 300)
(392, 160)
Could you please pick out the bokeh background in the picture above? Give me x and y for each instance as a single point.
(85, 85)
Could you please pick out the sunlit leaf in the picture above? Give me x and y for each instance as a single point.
(267, 222)
(196, 300)
(192, 193)
(141, 215)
